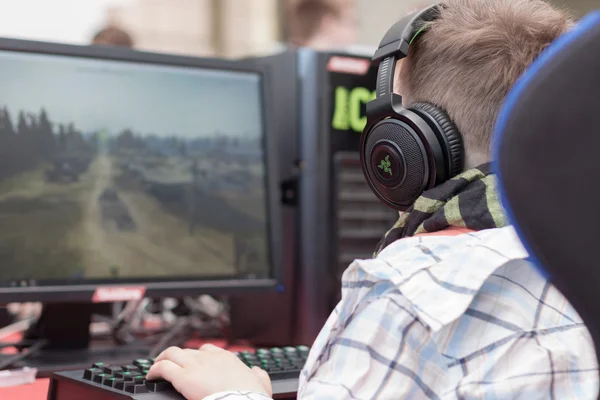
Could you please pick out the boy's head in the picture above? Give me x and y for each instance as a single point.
(113, 36)
(469, 58)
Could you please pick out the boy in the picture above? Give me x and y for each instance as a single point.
(439, 315)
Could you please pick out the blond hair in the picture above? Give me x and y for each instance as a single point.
(469, 58)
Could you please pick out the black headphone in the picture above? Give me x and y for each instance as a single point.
(405, 151)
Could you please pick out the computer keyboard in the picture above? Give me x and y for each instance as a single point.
(106, 382)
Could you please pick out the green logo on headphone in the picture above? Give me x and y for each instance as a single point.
(386, 165)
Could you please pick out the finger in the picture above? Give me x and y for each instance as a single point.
(164, 369)
(176, 355)
(264, 379)
(210, 347)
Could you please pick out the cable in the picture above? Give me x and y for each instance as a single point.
(181, 326)
(121, 332)
(206, 315)
(16, 327)
(12, 359)
(18, 345)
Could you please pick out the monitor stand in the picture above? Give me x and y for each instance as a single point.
(66, 329)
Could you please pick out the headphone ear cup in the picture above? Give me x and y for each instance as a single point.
(451, 140)
(395, 161)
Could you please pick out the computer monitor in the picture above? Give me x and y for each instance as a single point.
(125, 173)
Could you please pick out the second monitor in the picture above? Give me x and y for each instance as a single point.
(128, 172)
(113, 170)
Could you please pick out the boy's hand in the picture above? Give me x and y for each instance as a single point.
(200, 373)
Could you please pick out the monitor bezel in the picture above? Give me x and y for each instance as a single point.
(85, 291)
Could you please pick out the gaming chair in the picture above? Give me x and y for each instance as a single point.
(545, 144)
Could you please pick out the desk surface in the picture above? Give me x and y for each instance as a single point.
(38, 390)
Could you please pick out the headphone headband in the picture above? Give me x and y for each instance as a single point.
(395, 43)
(400, 35)
(406, 150)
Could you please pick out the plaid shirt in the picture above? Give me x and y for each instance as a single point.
(462, 317)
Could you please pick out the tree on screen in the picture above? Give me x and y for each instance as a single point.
(29, 140)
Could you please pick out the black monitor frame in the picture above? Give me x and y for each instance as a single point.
(85, 291)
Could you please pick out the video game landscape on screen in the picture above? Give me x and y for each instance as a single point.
(110, 169)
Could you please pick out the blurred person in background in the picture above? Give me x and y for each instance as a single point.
(322, 24)
(113, 36)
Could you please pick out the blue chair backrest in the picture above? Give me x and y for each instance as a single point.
(547, 156)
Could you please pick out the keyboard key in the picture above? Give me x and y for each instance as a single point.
(88, 374)
(159, 386)
(126, 376)
(99, 365)
(130, 368)
(109, 382)
(135, 388)
(262, 352)
(111, 370)
(140, 379)
(120, 384)
(98, 378)
(142, 363)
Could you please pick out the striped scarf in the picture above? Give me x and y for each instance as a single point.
(468, 200)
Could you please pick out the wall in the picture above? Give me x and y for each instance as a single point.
(247, 27)
(579, 7)
(235, 28)
(377, 16)
(229, 28)
(158, 26)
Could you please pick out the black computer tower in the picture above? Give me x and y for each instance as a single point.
(268, 319)
(341, 219)
(334, 218)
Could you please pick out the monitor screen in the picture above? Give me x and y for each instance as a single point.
(121, 171)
